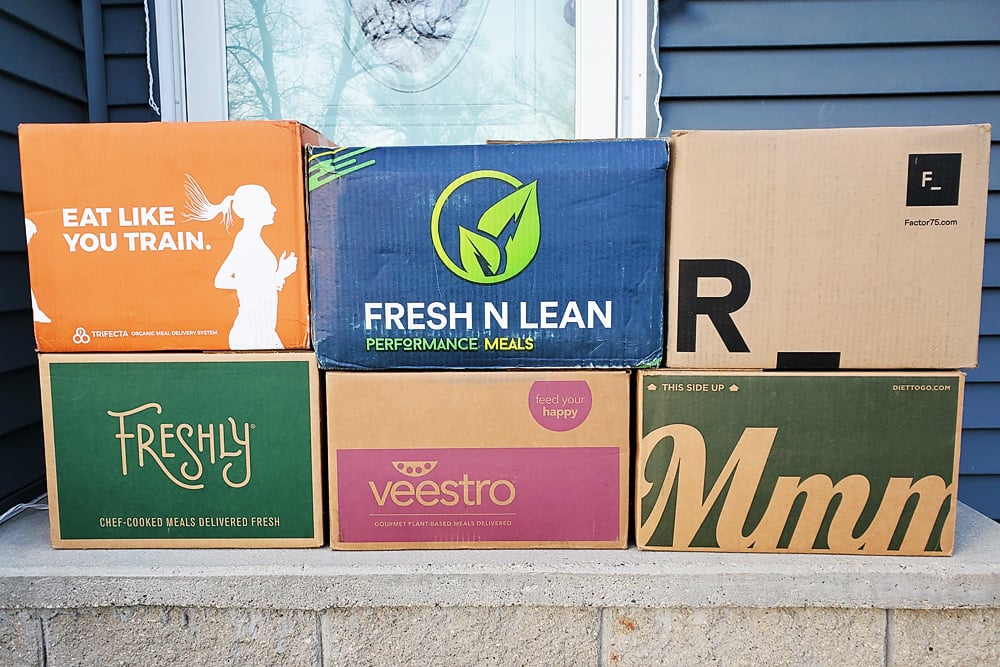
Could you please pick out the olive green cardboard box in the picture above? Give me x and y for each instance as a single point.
(849, 462)
(183, 449)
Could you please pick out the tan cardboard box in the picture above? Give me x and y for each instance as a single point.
(488, 459)
(838, 462)
(820, 249)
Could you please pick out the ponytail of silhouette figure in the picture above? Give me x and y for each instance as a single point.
(251, 268)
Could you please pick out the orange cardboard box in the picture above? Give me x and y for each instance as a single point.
(167, 236)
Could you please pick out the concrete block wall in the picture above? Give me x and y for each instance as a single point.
(322, 608)
(497, 636)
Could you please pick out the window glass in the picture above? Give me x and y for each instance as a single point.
(406, 71)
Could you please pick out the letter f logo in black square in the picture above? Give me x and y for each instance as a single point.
(932, 179)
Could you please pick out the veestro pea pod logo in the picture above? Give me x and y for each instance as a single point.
(504, 240)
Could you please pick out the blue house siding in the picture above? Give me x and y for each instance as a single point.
(44, 78)
(769, 64)
(127, 78)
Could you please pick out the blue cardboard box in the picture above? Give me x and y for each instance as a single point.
(488, 256)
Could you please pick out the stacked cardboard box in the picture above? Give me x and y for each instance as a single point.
(149, 245)
(484, 269)
(444, 459)
(483, 317)
(848, 251)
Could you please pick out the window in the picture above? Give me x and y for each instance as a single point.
(413, 71)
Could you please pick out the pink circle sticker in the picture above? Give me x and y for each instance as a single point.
(560, 405)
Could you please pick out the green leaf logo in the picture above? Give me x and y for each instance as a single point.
(481, 257)
(504, 240)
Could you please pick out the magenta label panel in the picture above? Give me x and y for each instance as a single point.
(479, 494)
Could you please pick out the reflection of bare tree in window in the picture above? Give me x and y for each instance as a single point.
(407, 35)
(406, 46)
(546, 100)
(262, 38)
(381, 71)
(555, 91)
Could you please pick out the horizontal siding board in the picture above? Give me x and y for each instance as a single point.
(124, 29)
(132, 113)
(128, 80)
(17, 340)
(995, 161)
(993, 214)
(22, 406)
(991, 265)
(792, 113)
(15, 294)
(59, 19)
(12, 236)
(980, 493)
(22, 455)
(980, 452)
(989, 314)
(10, 177)
(989, 361)
(818, 22)
(49, 64)
(981, 402)
(829, 71)
(25, 103)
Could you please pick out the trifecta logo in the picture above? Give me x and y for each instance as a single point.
(504, 240)
(448, 493)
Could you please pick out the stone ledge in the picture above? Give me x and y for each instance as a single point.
(35, 576)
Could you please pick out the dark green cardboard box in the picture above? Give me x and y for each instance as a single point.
(183, 450)
(798, 462)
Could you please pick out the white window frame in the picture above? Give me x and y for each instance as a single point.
(616, 72)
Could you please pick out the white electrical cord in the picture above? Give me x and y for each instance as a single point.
(35, 504)
(654, 49)
(149, 61)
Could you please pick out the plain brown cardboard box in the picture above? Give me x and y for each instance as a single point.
(825, 264)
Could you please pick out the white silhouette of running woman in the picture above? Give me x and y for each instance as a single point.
(250, 268)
